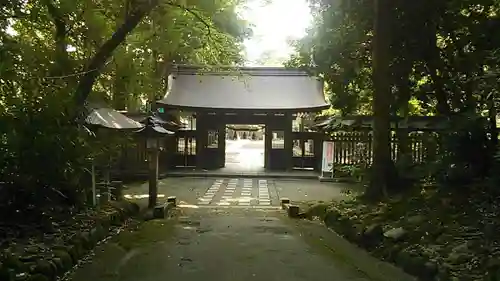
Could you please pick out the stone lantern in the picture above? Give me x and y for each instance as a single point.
(153, 133)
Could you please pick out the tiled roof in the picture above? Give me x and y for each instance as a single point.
(248, 88)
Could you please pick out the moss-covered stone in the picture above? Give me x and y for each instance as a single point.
(331, 217)
(344, 226)
(354, 233)
(403, 259)
(46, 268)
(59, 266)
(393, 251)
(317, 210)
(5, 273)
(72, 250)
(85, 242)
(76, 240)
(66, 259)
(429, 270)
(105, 221)
(396, 234)
(372, 235)
(38, 277)
(97, 233)
(13, 262)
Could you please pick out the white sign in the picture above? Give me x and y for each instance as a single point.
(327, 157)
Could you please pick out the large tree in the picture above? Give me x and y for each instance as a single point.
(56, 55)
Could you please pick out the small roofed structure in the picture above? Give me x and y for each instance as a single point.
(153, 128)
(167, 121)
(111, 119)
(107, 119)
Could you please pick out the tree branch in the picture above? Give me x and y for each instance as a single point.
(99, 60)
(197, 16)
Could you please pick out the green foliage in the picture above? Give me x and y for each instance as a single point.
(45, 47)
(442, 52)
(443, 60)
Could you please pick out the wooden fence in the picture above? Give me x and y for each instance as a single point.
(355, 147)
(349, 148)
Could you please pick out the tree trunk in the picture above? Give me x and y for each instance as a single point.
(404, 94)
(381, 98)
(153, 178)
(102, 55)
(492, 120)
(435, 65)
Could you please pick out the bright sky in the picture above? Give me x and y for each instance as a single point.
(274, 23)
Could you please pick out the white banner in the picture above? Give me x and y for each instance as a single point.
(327, 157)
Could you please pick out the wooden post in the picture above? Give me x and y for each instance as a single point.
(153, 176)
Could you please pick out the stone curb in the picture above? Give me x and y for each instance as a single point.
(64, 258)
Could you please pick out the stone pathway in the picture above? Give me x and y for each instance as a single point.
(231, 229)
(240, 192)
(217, 244)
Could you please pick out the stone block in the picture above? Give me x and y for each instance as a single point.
(159, 212)
(172, 199)
(293, 211)
(284, 201)
(285, 207)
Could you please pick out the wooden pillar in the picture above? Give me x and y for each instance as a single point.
(287, 125)
(201, 139)
(221, 128)
(318, 150)
(268, 137)
(280, 158)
